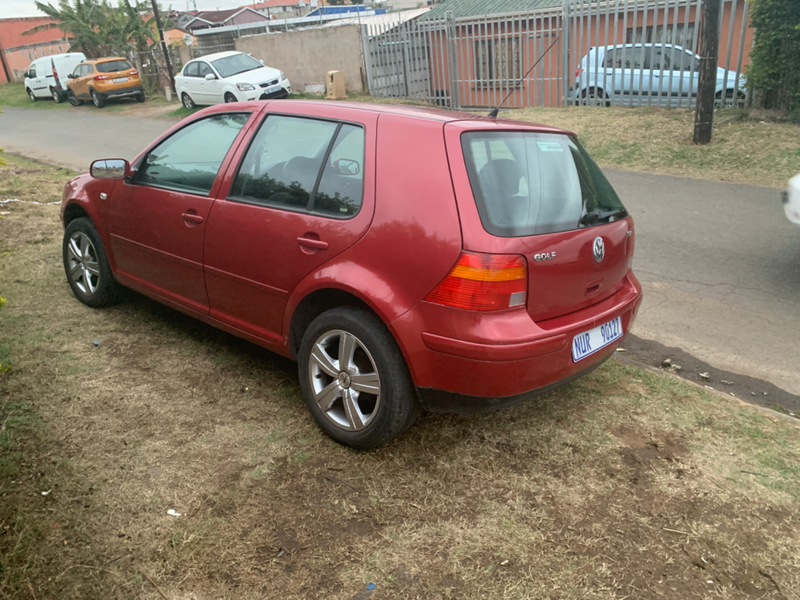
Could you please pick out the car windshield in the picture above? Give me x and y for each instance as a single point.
(531, 183)
(113, 66)
(235, 64)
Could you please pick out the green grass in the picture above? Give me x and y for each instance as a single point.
(14, 95)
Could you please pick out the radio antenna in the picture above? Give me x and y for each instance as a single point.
(494, 111)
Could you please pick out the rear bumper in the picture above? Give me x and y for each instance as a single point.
(121, 93)
(507, 357)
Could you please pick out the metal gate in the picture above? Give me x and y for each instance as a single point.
(597, 52)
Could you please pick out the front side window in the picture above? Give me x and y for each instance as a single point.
(235, 64)
(32, 70)
(304, 164)
(204, 69)
(112, 66)
(189, 159)
(530, 183)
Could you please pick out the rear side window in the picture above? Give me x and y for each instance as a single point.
(113, 66)
(532, 183)
(304, 164)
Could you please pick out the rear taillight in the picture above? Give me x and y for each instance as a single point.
(484, 282)
(134, 72)
(578, 71)
(101, 77)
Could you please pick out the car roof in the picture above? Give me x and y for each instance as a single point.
(414, 112)
(94, 61)
(217, 55)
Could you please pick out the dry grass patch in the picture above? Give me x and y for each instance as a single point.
(622, 484)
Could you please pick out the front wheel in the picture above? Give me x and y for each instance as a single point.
(86, 264)
(729, 102)
(354, 379)
(98, 100)
(230, 98)
(73, 99)
(31, 95)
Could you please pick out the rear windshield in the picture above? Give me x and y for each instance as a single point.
(531, 183)
(113, 66)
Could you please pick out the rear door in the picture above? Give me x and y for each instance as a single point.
(303, 193)
(540, 195)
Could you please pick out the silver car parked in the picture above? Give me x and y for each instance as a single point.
(636, 74)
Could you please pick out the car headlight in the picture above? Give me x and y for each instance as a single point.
(245, 87)
(283, 75)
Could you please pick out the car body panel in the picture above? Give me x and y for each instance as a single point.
(107, 84)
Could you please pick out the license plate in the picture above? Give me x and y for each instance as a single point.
(120, 79)
(272, 88)
(591, 341)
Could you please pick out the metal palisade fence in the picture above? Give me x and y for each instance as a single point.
(601, 52)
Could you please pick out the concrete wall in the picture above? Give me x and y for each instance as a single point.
(306, 55)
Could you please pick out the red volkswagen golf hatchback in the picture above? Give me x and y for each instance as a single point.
(406, 258)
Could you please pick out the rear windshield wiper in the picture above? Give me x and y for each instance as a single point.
(595, 216)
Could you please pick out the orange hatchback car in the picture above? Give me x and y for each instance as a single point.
(103, 79)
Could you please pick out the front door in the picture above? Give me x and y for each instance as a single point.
(158, 218)
(303, 194)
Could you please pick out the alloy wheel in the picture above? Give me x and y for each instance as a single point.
(344, 380)
(83, 266)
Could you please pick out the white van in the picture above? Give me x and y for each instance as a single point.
(47, 76)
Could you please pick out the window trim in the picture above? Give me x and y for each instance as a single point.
(131, 180)
(285, 207)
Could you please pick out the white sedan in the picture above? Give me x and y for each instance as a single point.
(229, 77)
(791, 200)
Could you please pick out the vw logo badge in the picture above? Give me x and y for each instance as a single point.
(599, 249)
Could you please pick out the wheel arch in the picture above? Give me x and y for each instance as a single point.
(75, 211)
(317, 302)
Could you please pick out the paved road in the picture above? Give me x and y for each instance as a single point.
(719, 262)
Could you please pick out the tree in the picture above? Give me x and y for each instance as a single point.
(99, 29)
(775, 55)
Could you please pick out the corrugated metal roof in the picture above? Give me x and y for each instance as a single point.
(380, 23)
(479, 8)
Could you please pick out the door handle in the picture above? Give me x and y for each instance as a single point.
(192, 218)
(312, 243)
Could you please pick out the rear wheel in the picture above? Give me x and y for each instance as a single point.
(98, 101)
(354, 379)
(187, 100)
(31, 95)
(73, 99)
(139, 97)
(595, 97)
(86, 264)
(56, 95)
(230, 97)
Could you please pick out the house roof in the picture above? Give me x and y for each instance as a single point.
(274, 4)
(214, 17)
(479, 8)
(11, 32)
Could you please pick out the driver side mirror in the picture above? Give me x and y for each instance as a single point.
(112, 168)
(210, 77)
(346, 166)
(27, 74)
(70, 76)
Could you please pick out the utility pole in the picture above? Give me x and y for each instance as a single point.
(709, 49)
(163, 46)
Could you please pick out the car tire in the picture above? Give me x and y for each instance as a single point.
(187, 101)
(73, 99)
(595, 97)
(56, 95)
(140, 97)
(230, 97)
(86, 264)
(31, 95)
(729, 103)
(98, 100)
(351, 416)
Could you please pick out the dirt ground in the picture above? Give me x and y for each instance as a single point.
(146, 455)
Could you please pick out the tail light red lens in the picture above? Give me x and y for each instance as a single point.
(101, 77)
(484, 282)
(134, 72)
(578, 71)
